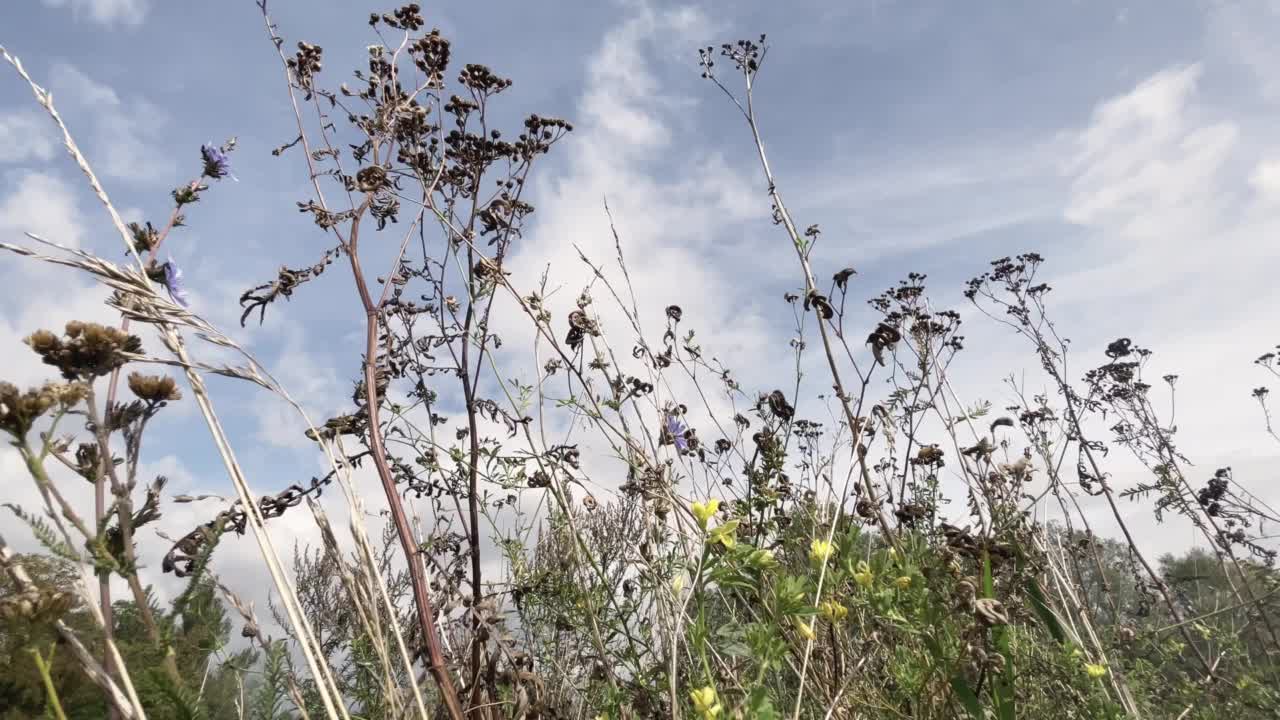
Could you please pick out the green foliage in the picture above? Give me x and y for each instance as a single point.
(199, 635)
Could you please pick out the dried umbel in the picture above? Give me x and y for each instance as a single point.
(19, 410)
(36, 606)
(154, 389)
(87, 351)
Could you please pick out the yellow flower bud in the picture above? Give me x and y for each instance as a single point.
(805, 629)
(762, 559)
(863, 576)
(703, 512)
(903, 582)
(820, 551)
(1095, 671)
(834, 611)
(705, 703)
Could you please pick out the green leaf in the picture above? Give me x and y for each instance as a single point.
(967, 697)
(760, 705)
(184, 703)
(1045, 613)
(1002, 690)
(47, 536)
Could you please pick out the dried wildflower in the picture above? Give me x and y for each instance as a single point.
(89, 350)
(36, 606)
(217, 164)
(174, 284)
(841, 279)
(145, 237)
(820, 551)
(703, 512)
(705, 702)
(154, 388)
(990, 611)
(19, 410)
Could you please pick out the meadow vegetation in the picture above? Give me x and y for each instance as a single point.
(670, 543)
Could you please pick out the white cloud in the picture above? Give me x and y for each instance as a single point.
(105, 12)
(1146, 165)
(41, 203)
(26, 135)
(38, 295)
(668, 220)
(121, 131)
(313, 385)
(1265, 180)
(1180, 216)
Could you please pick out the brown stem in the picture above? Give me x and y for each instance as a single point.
(811, 286)
(100, 483)
(124, 515)
(1157, 581)
(417, 574)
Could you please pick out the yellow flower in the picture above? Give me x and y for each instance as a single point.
(705, 702)
(834, 611)
(903, 582)
(820, 551)
(805, 629)
(705, 511)
(863, 576)
(1095, 671)
(726, 534)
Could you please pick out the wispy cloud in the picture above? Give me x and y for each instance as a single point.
(25, 136)
(122, 132)
(105, 12)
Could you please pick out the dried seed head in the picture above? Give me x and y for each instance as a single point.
(153, 388)
(88, 351)
(19, 410)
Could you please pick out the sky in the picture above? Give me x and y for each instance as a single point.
(1131, 144)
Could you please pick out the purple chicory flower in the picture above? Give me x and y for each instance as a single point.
(217, 164)
(675, 430)
(173, 282)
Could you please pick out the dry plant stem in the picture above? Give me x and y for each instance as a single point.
(100, 484)
(124, 515)
(325, 686)
(417, 573)
(1049, 361)
(126, 706)
(1222, 549)
(421, 591)
(1074, 419)
(811, 286)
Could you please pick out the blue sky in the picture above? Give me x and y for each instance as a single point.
(1131, 144)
